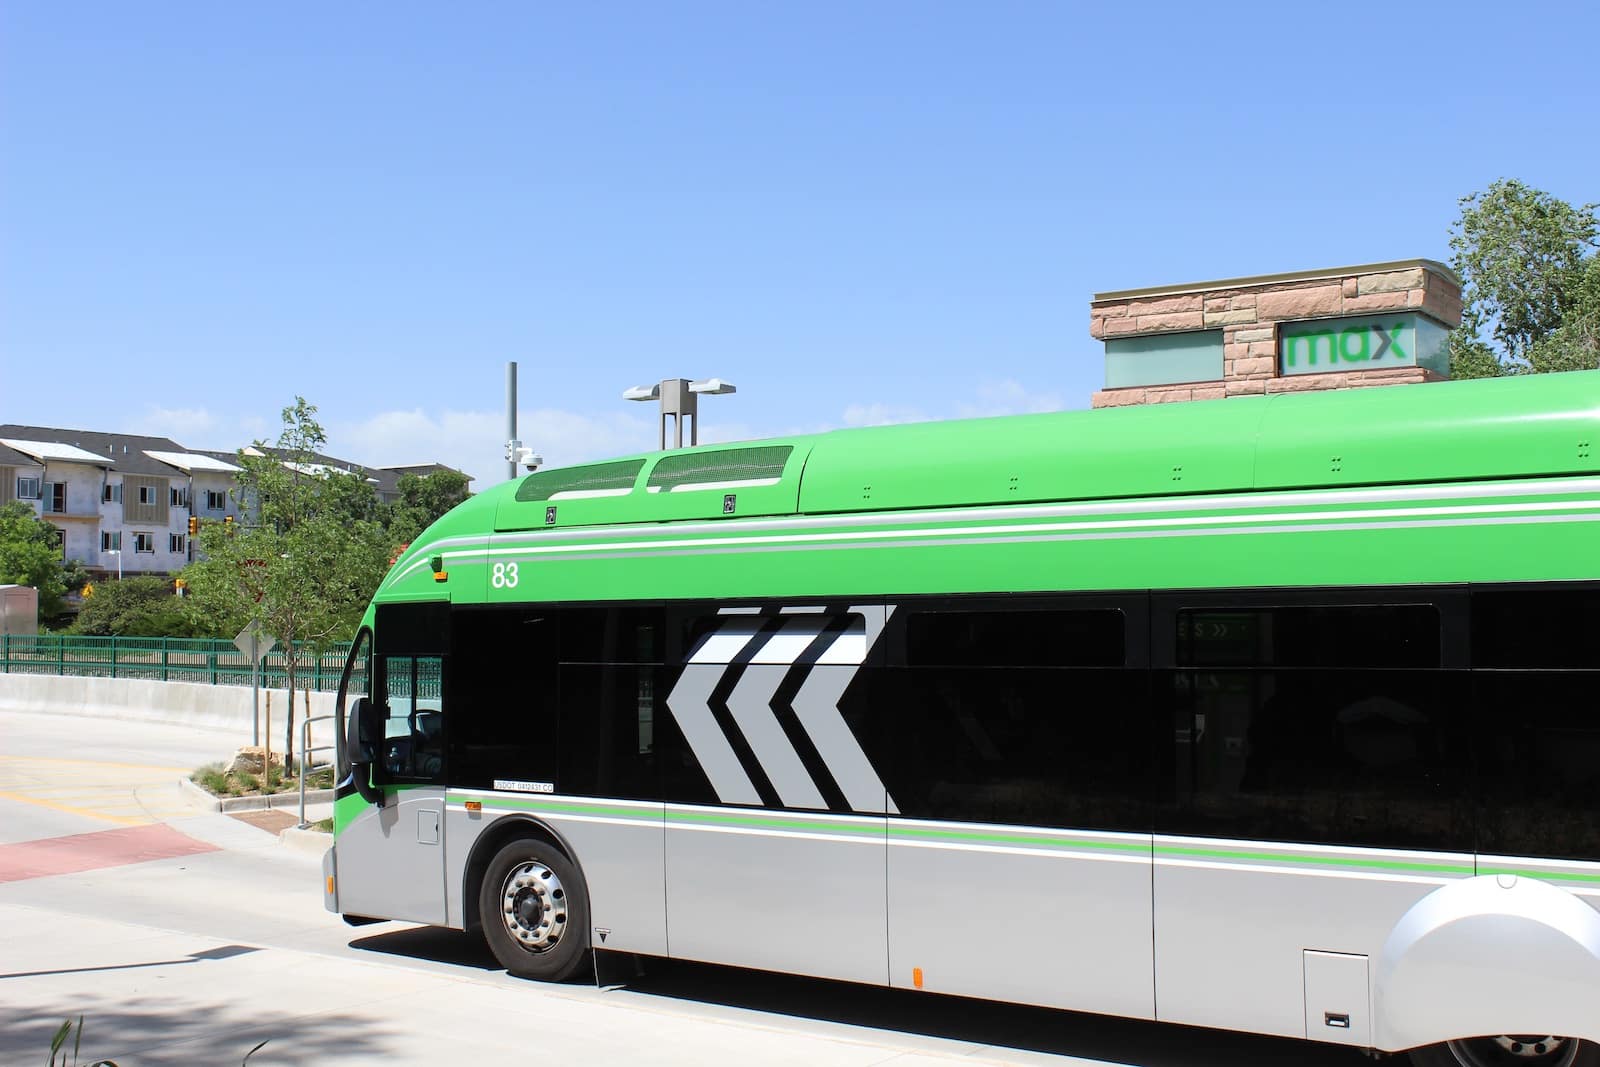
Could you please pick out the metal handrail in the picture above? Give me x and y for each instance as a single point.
(305, 747)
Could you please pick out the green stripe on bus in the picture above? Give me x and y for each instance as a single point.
(1315, 861)
(1018, 838)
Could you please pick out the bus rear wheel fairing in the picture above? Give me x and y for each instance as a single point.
(534, 910)
(1515, 1050)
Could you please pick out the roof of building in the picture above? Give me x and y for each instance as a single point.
(123, 452)
(1277, 279)
(10, 457)
(422, 470)
(161, 456)
(48, 450)
(192, 462)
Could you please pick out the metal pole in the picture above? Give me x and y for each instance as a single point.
(511, 420)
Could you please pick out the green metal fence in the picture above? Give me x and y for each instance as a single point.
(167, 659)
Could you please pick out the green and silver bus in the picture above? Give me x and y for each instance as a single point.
(1276, 714)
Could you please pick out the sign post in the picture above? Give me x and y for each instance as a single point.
(249, 642)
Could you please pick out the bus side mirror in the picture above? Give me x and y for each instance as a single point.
(365, 733)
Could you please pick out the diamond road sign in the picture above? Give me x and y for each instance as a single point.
(252, 637)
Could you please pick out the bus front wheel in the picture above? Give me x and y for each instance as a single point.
(535, 911)
(1514, 1050)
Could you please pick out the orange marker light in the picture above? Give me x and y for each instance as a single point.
(474, 806)
(916, 977)
(330, 885)
(440, 576)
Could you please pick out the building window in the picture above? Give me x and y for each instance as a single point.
(180, 497)
(175, 542)
(111, 493)
(147, 494)
(144, 542)
(216, 500)
(1164, 359)
(110, 541)
(28, 488)
(56, 497)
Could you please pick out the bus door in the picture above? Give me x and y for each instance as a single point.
(391, 859)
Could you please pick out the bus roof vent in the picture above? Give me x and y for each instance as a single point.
(726, 468)
(596, 479)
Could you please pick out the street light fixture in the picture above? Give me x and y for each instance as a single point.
(680, 399)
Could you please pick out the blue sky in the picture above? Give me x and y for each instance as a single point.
(856, 212)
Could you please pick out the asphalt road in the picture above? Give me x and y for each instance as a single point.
(186, 938)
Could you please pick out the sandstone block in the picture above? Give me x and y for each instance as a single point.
(1230, 318)
(1109, 309)
(1171, 396)
(1245, 387)
(1443, 308)
(1350, 288)
(1259, 333)
(1117, 398)
(1389, 301)
(1393, 281)
(1256, 365)
(1209, 392)
(1166, 305)
(1304, 303)
(1241, 300)
(1306, 383)
(1118, 327)
(1177, 320)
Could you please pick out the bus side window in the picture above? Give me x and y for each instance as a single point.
(413, 748)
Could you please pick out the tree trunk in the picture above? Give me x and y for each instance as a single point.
(290, 656)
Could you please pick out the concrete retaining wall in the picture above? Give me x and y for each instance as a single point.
(209, 707)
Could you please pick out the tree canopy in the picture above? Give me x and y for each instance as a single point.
(422, 500)
(30, 554)
(1530, 283)
(309, 556)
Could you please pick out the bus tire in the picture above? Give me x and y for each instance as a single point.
(535, 911)
(1521, 1050)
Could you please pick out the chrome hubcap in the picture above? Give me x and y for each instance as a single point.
(533, 906)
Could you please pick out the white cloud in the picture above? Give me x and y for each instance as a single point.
(880, 414)
(199, 427)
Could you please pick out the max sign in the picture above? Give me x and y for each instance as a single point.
(1347, 344)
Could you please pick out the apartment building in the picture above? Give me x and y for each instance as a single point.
(121, 503)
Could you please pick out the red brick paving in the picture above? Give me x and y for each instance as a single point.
(88, 852)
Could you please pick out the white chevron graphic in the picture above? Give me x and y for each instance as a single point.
(816, 705)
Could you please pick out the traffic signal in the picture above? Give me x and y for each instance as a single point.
(194, 526)
(227, 522)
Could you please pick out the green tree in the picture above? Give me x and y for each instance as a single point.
(307, 558)
(422, 500)
(1530, 287)
(29, 555)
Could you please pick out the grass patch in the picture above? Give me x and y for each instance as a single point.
(215, 779)
(323, 826)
